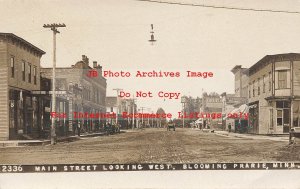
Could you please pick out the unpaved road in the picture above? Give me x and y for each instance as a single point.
(154, 146)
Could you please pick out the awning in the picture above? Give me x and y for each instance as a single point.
(200, 120)
(244, 108)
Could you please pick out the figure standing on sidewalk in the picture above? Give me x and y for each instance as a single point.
(79, 127)
(229, 127)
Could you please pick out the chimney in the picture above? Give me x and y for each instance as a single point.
(87, 61)
(100, 70)
(94, 64)
(83, 58)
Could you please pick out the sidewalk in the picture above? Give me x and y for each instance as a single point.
(15, 143)
(253, 136)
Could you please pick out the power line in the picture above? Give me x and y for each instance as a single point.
(222, 7)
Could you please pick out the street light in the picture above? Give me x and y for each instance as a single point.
(152, 40)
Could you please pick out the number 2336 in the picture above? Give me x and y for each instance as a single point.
(11, 168)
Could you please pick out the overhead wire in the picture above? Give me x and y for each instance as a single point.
(221, 7)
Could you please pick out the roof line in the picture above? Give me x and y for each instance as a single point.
(24, 41)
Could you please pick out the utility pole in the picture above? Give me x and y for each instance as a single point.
(118, 90)
(142, 108)
(152, 120)
(183, 101)
(55, 31)
(133, 108)
(149, 110)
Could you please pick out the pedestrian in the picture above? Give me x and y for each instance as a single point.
(79, 127)
(229, 127)
(74, 127)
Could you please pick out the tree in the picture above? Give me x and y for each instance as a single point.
(161, 121)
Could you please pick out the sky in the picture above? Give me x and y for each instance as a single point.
(116, 32)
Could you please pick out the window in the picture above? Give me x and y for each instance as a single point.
(283, 114)
(249, 90)
(296, 113)
(29, 73)
(34, 75)
(279, 117)
(23, 70)
(271, 118)
(253, 89)
(282, 79)
(270, 81)
(264, 84)
(258, 86)
(283, 104)
(12, 66)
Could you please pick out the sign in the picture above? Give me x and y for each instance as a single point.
(49, 92)
(47, 109)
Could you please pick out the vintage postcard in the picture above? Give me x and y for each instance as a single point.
(149, 86)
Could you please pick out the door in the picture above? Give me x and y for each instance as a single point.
(286, 120)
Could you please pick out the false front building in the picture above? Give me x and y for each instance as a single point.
(19, 75)
(274, 94)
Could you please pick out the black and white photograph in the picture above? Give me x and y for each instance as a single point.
(149, 88)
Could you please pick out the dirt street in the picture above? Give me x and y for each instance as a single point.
(154, 146)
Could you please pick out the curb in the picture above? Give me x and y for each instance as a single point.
(5, 144)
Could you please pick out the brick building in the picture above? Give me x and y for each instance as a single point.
(80, 93)
(19, 75)
(241, 76)
(274, 94)
(232, 102)
(211, 103)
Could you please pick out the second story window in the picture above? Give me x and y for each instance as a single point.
(270, 81)
(34, 75)
(12, 66)
(23, 70)
(249, 90)
(282, 79)
(258, 86)
(253, 89)
(29, 73)
(264, 84)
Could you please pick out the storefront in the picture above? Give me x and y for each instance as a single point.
(23, 115)
(253, 126)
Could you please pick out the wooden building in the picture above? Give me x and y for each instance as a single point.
(274, 94)
(19, 75)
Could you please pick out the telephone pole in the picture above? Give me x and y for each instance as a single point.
(133, 109)
(55, 31)
(142, 108)
(118, 90)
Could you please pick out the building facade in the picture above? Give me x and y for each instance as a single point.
(82, 95)
(117, 106)
(274, 94)
(19, 75)
(232, 102)
(211, 104)
(241, 76)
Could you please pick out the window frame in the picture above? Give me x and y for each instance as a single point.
(34, 75)
(23, 71)
(29, 72)
(285, 80)
(12, 67)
